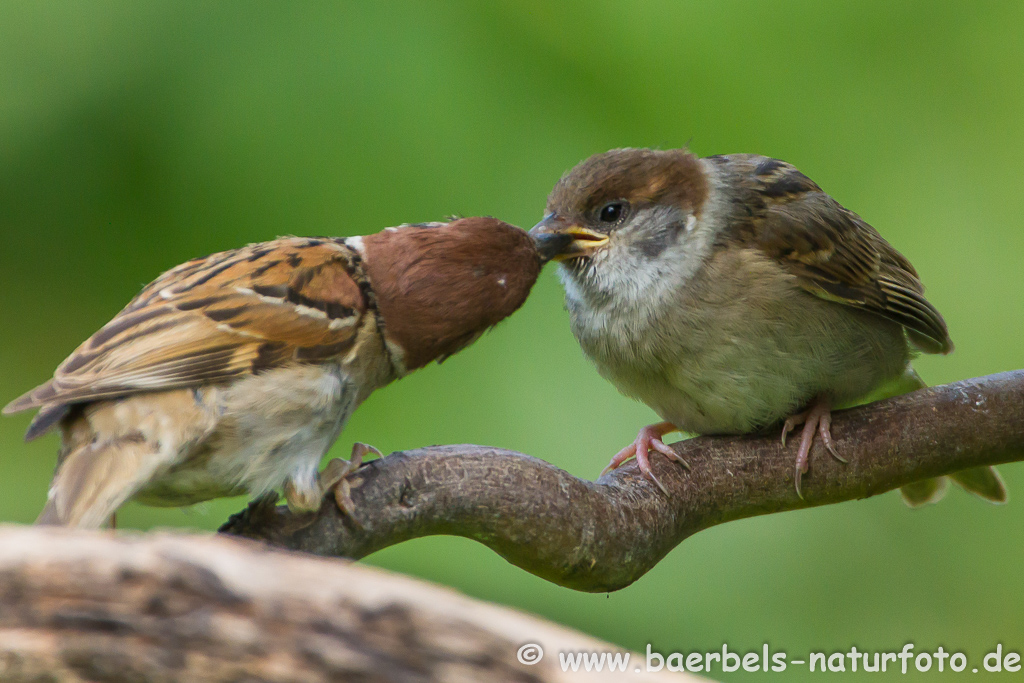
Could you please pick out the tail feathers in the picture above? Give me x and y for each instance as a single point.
(49, 516)
(45, 420)
(984, 482)
(924, 492)
(97, 478)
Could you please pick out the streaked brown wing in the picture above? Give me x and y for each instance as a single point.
(212, 319)
(833, 253)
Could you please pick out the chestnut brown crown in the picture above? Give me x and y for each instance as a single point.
(636, 176)
(440, 286)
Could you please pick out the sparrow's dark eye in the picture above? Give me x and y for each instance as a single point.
(612, 212)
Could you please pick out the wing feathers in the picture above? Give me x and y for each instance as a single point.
(831, 251)
(212, 319)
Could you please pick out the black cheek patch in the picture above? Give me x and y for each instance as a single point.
(652, 246)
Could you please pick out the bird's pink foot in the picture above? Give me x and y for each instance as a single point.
(648, 438)
(333, 479)
(337, 478)
(816, 419)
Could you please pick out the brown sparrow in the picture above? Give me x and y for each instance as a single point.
(730, 293)
(236, 372)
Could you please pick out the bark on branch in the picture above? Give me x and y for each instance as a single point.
(81, 606)
(604, 535)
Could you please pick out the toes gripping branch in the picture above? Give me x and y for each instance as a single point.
(334, 478)
(649, 438)
(816, 419)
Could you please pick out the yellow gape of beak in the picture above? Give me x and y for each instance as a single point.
(558, 240)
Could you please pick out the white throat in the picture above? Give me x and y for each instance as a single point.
(623, 278)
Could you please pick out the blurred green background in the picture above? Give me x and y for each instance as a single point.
(134, 136)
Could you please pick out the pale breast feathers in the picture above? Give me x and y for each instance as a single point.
(215, 318)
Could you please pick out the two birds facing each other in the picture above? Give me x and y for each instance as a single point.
(727, 293)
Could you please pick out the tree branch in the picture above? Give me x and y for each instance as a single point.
(94, 606)
(602, 536)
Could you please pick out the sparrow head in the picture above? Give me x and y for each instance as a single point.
(439, 286)
(620, 211)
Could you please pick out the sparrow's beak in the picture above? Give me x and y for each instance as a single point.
(558, 239)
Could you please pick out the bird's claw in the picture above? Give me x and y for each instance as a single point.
(816, 419)
(339, 474)
(648, 438)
